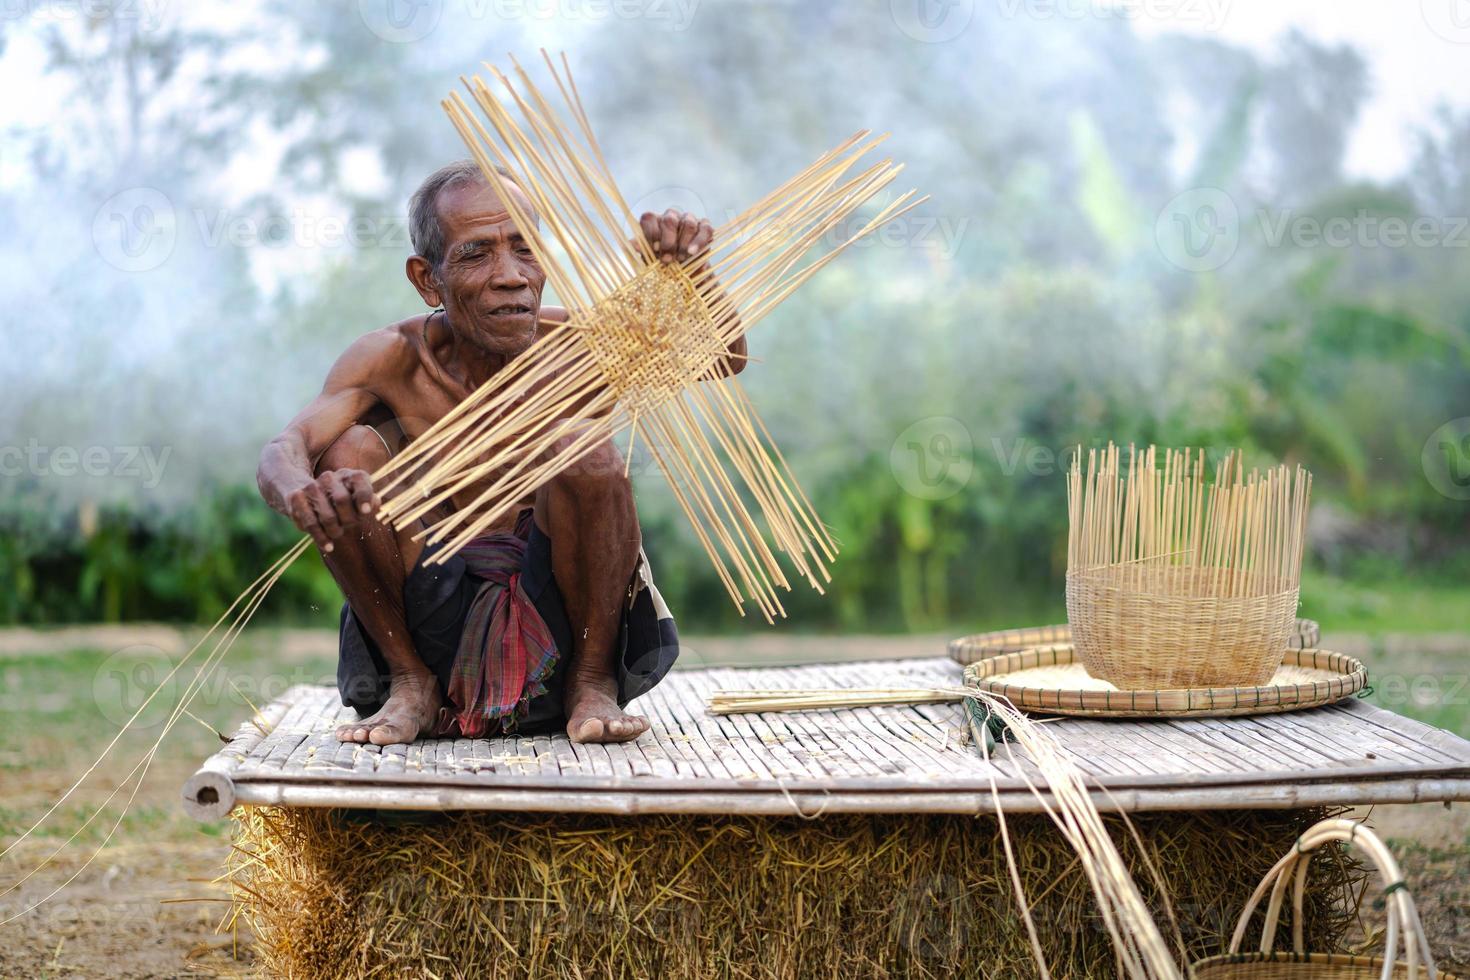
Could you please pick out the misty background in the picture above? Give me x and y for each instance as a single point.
(1164, 222)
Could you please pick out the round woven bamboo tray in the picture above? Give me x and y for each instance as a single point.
(1051, 680)
(983, 646)
(1176, 627)
(1291, 871)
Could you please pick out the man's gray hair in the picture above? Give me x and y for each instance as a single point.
(424, 229)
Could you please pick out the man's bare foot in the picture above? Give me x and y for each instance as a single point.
(412, 707)
(593, 714)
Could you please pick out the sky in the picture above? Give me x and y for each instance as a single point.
(1418, 55)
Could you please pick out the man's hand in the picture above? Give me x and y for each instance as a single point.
(676, 235)
(680, 236)
(332, 504)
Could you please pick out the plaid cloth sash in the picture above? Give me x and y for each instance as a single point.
(506, 651)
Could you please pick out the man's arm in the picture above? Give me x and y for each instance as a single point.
(326, 506)
(735, 359)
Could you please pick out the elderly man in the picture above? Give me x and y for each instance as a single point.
(549, 621)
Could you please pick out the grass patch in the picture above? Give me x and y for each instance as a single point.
(63, 708)
(1385, 605)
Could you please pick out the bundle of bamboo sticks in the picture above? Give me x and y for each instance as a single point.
(1174, 581)
(643, 348)
(751, 701)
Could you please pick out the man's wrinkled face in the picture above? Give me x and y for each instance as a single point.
(491, 282)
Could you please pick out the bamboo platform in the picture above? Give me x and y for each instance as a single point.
(916, 759)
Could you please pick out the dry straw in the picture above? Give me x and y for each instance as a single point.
(504, 895)
(1176, 582)
(1139, 946)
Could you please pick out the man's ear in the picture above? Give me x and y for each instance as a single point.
(421, 274)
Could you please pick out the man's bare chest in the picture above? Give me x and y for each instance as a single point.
(408, 410)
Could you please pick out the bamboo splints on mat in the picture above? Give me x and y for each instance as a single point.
(1143, 953)
(735, 702)
(644, 349)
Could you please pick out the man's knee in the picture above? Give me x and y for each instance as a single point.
(359, 448)
(595, 490)
(601, 470)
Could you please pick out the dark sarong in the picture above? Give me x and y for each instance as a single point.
(506, 650)
(439, 601)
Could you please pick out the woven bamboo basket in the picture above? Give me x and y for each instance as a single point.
(1291, 871)
(1176, 580)
(1145, 629)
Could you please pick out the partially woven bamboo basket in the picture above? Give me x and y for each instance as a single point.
(1173, 582)
(1151, 631)
(1403, 922)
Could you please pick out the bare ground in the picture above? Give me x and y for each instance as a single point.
(138, 911)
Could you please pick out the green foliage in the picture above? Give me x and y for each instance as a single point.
(111, 564)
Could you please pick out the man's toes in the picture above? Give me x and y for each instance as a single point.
(627, 729)
(389, 734)
(589, 730)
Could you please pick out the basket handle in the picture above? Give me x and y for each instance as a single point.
(1292, 869)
